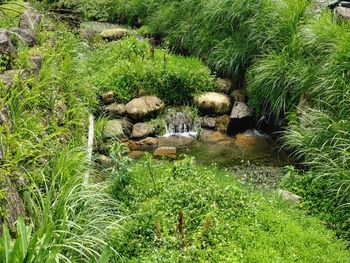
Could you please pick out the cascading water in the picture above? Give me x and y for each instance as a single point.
(181, 124)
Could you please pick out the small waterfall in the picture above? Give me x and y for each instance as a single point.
(181, 124)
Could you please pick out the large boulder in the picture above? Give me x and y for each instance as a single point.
(169, 152)
(29, 20)
(144, 107)
(114, 34)
(140, 130)
(241, 119)
(114, 129)
(6, 46)
(213, 103)
(26, 36)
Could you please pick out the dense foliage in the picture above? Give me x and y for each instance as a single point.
(135, 68)
(293, 56)
(43, 151)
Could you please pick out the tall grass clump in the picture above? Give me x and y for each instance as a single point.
(44, 155)
(310, 80)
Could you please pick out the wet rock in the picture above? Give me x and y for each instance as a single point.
(239, 95)
(241, 110)
(241, 119)
(114, 129)
(114, 34)
(108, 97)
(144, 107)
(115, 109)
(140, 130)
(26, 36)
(6, 47)
(208, 122)
(288, 196)
(211, 137)
(136, 154)
(30, 19)
(222, 123)
(169, 152)
(343, 11)
(147, 144)
(224, 86)
(213, 103)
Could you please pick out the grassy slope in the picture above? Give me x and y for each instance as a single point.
(289, 53)
(45, 156)
(223, 220)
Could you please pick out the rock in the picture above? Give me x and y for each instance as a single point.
(114, 129)
(222, 123)
(211, 137)
(147, 144)
(103, 160)
(6, 46)
(60, 109)
(136, 154)
(4, 115)
(343, 11)
(239, 95)
(213, 103)
(36, 64)
(208, 122)
(115, 109)
(108, 97)
(26, 36)
(288, 196)
(224, 86)
(8, 77)
(114, 34)
(144, 107)
(169, 152)
(29, 20)
(241, 119)
(241, 110)
(140, 130)
(88, 34)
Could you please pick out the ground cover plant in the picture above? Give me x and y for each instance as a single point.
(189, 213)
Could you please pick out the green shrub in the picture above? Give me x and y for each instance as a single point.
(134, 69)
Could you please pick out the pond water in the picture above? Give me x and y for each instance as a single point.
(217, 148)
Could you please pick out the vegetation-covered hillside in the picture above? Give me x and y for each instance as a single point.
(69, 125)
